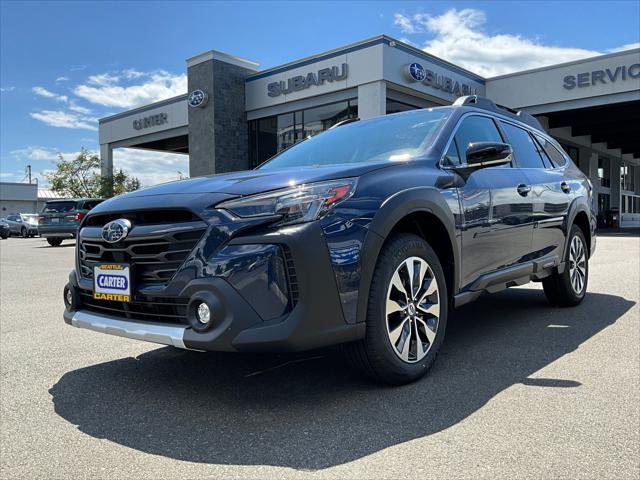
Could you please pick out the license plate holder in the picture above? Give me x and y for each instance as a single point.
(112, 281)
(55, 220)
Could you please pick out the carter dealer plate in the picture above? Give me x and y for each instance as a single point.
(112, 282)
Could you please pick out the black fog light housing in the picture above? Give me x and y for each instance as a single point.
(71, 298)
(204, 311)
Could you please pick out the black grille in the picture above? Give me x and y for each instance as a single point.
(144, 217)
(291, 275)
(150, 309)
(154, 251)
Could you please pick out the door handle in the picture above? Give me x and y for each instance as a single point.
(564, 186)
(523, 189)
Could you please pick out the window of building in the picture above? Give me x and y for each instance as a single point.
(604, 171)
(394, 106)
(627, 177)
(603, 202)
(270, 135)
(475, 129)
(524, 147)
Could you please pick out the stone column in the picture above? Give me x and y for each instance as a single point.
(218, 130)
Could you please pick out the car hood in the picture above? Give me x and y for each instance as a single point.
(256, 181)
(203, 192)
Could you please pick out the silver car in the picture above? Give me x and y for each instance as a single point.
(24, 224)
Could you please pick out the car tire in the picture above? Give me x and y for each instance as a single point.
(390, 352)
(54, 242)
(568, 289)
(24, 232)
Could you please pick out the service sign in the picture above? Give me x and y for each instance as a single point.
(112, 282)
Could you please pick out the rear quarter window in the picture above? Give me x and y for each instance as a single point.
(557, 158)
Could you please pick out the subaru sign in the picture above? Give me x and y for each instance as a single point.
(415, 72)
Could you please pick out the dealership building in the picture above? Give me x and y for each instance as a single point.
(235, 116)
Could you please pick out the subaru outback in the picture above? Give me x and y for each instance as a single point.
(365, 235)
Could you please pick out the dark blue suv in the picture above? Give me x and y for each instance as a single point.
(365, 235)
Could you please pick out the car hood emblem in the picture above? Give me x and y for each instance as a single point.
(117, 230)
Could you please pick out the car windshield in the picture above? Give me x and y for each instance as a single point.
(29, 217)
(59, 207)
(395, 137)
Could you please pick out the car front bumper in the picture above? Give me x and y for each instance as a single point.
(235, 283)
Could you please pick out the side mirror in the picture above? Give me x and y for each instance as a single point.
(488, 154)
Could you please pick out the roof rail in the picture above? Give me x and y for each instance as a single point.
(486, 104)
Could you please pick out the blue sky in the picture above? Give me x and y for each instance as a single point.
(65, 64)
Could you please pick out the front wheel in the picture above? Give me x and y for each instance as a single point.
(54, 242)
(24, 233)
(406, 314)
(568, 288)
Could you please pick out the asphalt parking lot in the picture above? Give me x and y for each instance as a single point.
(520, 390)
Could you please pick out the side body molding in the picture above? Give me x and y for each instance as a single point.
(395, 208)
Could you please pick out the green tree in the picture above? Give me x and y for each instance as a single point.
(80, 177)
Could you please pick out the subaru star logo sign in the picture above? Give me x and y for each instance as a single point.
(115, 231)
(415, 72)
(197, 98)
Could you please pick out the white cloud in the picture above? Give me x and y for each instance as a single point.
(58, 118)
(7, 89)
(73, 106)
(35, 153)
(458, 36)
(103, 80)
(107, 90)
(628, 46)
(62, 79)
(406, 24)
(151, 167)
(43, 92)
(132, 73)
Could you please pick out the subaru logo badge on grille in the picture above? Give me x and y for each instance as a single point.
(117, 230)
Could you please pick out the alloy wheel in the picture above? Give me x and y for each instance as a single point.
(412, 309)
(577, 265)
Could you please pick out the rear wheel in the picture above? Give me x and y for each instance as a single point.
(406, 314)
(54, 242)
(568, 288)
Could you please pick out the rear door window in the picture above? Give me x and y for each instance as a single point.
(59, 207)
(525, 149)
(473, 129)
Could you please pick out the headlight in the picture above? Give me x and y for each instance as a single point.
(299, 204)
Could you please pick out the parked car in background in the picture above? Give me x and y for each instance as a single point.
(23, 224)
(5, 231)
(59, 219)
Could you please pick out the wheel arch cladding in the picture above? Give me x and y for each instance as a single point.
(582, 221)
(579, 216)
(424, 212)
